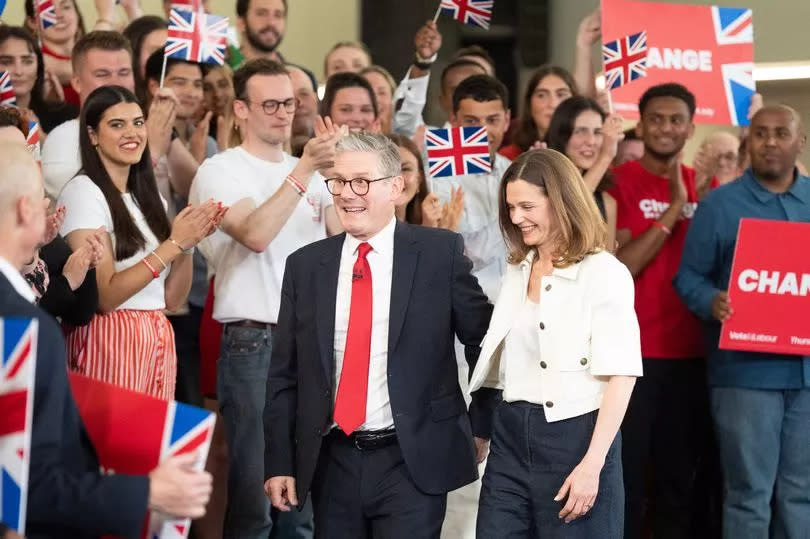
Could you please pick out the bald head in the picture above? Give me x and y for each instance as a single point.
(22, 208)
(776, 138)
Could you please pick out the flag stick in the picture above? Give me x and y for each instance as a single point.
(610, 102)
(163, 70)
(438, 11)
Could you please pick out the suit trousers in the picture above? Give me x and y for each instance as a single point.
(370, 495)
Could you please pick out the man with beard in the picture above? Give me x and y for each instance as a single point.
(665, 427)
(261, 24)
(760, 402)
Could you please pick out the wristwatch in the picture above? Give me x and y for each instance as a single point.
(424, 63)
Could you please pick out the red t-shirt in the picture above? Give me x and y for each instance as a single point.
(511, 152)
(668, 329)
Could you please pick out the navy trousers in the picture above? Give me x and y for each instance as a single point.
(529, 459)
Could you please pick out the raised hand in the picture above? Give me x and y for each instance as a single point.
(199, 138)
(452, 210)
(53, 223)
(590, 29)
(319, 151)
(77, 266)
(613, 134)
(428, 40)
(431, 210)
(52, 89)
(192, 224)
(159, 123)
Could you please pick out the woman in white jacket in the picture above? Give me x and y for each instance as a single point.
(563, 345)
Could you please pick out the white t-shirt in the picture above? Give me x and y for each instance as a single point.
(248, 284)
(87, 209)
(61, 158)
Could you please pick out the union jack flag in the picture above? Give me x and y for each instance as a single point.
(195, 36)
(457, 151)
(474, 12)
(625, 60)
(163, 430)
(19, 344)
(7, 96)
(32, 139)
(46, 13)
(733, 25)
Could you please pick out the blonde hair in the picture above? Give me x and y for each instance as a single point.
(380, 70)
(580, 229)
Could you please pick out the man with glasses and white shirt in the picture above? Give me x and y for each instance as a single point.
(278, 204)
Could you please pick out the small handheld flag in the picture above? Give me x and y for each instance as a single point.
(32, 139)
(625, 60)
(17, 364)
(473, 12)
(457, 151)
(195, 36)
(7, 96)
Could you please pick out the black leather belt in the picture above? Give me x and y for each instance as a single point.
(251, 324)
(368, 440)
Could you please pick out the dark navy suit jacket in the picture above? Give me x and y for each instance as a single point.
(67, 496)
(434, 297)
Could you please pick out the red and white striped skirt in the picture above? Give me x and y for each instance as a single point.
(131, 349)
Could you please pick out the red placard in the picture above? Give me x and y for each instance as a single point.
(769, 289)
(708, 49)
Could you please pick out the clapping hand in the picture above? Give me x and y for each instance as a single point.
(53, 223)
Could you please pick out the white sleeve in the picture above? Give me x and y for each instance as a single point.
(213, 181)
(484, 245)
(60, 159)
(413, 93)
(615, 337)
(85, 205)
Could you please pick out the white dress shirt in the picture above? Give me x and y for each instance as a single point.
(381, 262)
(16, 279)
(483, 241)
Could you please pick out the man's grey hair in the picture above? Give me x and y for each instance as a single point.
(388, 160)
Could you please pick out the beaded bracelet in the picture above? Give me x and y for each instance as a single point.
(155, 273)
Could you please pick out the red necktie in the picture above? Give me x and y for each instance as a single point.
(350, 404)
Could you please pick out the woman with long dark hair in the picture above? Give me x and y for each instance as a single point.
(21, 56)
(582, 131)
(549, 86)
(147, 264)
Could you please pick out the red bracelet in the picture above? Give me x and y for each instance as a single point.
(661, 227)
(296, 184)
(155, 273)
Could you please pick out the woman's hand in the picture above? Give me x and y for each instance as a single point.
(581, 487)
(613, 134)
(52, 224)
(199, 138)
(431, 210)
(193, 224)
(77, 266)
(451, 211)
(52, 89)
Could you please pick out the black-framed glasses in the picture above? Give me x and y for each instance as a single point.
(271, 106)
(359, 186)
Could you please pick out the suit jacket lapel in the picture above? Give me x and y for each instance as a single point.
(325, 298)
(406, 255)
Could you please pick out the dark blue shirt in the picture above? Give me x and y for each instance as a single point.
(706, 267)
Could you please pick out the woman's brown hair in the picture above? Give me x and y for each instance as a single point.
(580, 230)
(527, 128)
(413, 211)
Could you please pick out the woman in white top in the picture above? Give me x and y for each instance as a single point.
(146, 266)
(563, 345)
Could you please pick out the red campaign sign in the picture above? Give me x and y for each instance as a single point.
(132, 433)
(708, 49)
(769, 289)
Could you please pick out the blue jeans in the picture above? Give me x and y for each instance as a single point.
(242, 370)
(529, 460)
(764, 442)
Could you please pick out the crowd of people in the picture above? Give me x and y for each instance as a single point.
(372, 340)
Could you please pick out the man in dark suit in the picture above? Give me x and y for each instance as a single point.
(363, 399)
(67, 495)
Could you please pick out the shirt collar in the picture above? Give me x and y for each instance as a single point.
(569, 272)
(16, 279)
(382, 242)
(800, 188)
